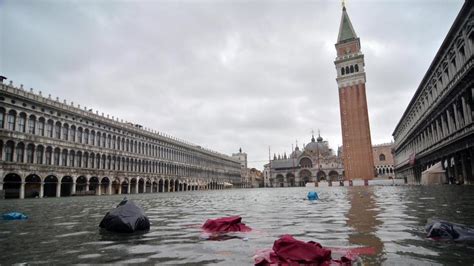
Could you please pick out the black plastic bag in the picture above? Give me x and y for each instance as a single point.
(126, 218)
(443, 230)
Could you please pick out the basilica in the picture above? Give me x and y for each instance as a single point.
(315, 162)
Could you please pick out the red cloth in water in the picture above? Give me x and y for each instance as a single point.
(225, 224)
(289, 251)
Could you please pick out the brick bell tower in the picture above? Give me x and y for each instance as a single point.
(357, 146)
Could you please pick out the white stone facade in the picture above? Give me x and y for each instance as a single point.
(49, 148)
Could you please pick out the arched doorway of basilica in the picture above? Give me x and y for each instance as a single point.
(280, 180)
(333, 175)
(305, 177)
(321, 176)
(291, 179)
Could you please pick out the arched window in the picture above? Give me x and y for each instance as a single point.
(9, 151)
(86, 136)
(49, 129)
(92, 141)
(72, 158)
(382, 157)
(2, 117)
(32, 124)
(22, 122)
(57, 130)
(30, 153)
(352, 69)
(306, 163)
(41, 126)
(39, 154)
(11, 120)
(79, 134)
(73, 133)
(48, 156)
(65, 132)
(356, 68)
(109, 140)
(64, 158)
(98, 139)
(347, 70)
(342, 71)
(20, 151)
(56, 156)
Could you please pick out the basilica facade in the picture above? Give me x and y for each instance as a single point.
(315, 162)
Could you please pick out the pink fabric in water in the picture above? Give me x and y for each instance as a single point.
(225, 224)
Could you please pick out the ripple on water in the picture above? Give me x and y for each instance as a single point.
(389, 219)
(74, 234)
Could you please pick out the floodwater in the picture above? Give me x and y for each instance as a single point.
(388, 219)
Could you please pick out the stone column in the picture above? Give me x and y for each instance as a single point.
(465, 110)
(1, 186)
(87, 186)
(456, 170)
(136, 187)
(58, 189)
(449, 123)
(120, 189)
(471, 154)
(463, 166)
(99, 189)
(41, 195)
(73, 190)
(109, 189)
(457, 120)
(22, 190)
(128, 188)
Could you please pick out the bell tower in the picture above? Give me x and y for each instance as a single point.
(357, 145)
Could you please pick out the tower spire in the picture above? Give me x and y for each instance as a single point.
(346, 31)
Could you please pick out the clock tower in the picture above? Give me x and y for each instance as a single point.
(357, 146)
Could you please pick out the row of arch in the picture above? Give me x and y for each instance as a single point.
(349, 69)
(34, 186)
(49, 155)
(384, 170)
(305, 176)
(31, 124)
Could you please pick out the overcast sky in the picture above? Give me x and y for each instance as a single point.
(223, 74)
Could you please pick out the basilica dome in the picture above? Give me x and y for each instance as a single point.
(314, 147)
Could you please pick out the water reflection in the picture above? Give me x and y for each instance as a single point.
(362, 218)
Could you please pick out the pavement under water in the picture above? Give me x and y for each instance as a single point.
(388, 219)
